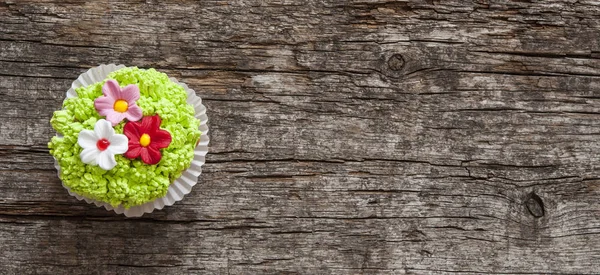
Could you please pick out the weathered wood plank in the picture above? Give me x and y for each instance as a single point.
(347, 137)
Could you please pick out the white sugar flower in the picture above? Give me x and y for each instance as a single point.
(101, 145)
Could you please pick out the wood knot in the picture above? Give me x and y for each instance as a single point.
(535, 205)
(396, 62)
(373, 201)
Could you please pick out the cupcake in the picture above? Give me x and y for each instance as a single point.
(129, 139)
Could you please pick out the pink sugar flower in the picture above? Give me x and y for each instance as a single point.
(118, 103)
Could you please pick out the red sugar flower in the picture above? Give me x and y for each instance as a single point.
(145, 139)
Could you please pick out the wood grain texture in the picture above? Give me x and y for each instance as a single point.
(347, 137)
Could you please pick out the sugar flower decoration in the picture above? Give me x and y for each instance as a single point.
(118, 103)
(145, 139)
(101, 145)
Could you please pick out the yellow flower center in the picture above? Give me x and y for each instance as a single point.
(121, 106)
(145, 140)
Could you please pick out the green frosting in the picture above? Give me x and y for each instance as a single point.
(131, 182)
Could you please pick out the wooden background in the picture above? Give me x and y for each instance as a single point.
(347, 137)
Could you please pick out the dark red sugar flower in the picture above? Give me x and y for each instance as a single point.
(146, 139)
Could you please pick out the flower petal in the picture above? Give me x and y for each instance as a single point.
(104, 104)
(103, 129)
(132, 131)
(118, 144)
(134, 113)
(130, 93)
(134, 151)
(150, 155)
(106, 160)
(115, 117)
(111, 89)
(160, 139)
(150, 124)
(90, 156)
(87, 139)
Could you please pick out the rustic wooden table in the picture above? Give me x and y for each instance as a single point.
(347, 137)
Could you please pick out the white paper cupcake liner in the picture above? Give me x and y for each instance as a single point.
(181, 186)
